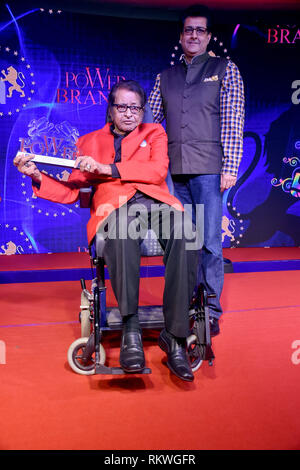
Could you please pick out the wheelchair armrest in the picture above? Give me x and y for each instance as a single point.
(85, 197)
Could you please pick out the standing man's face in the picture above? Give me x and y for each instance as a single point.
(194, 42)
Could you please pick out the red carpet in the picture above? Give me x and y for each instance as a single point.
(249, 398)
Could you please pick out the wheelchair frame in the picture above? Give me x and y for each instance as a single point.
(86, 355)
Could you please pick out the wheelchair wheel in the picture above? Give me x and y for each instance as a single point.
(194, 352)
(76, 359)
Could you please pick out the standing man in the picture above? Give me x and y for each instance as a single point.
(202, 100)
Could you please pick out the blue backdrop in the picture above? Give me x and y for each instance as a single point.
(57, 69)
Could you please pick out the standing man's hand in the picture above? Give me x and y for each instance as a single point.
(227, 181)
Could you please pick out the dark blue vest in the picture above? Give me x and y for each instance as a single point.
(191, 100)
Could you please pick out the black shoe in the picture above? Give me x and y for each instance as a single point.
(132, 358)
(178, 361)
(214, 326)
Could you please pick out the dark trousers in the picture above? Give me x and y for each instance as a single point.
(124, 231)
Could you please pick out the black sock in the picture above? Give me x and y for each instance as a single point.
(181, 341)
(131, 323)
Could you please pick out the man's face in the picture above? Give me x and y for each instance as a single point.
(128, 120)
(194, 43)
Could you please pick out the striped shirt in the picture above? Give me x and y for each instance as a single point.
(232, 115)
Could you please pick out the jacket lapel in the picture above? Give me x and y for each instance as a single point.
(131, 143)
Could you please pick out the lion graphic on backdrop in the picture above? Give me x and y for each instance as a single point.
(11, 77)
(11, 249)
(227, 228)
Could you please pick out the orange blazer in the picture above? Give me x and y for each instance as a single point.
(144, 168)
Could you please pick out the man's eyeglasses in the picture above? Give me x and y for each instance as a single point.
(189, 30)
(122, 108)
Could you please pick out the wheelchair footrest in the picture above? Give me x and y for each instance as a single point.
(101, 369)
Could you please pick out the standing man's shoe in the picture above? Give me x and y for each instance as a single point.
(177, 357)
(132, 358)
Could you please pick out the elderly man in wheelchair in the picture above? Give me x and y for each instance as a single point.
(126, 163)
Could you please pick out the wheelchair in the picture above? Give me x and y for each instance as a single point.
(86, 355)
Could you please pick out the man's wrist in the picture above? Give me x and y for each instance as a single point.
(107, 170)
(36, 178)
(228, 173)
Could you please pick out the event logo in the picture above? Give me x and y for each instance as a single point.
(88, 87)
(17, 84)
(290, 185)
(283, 35)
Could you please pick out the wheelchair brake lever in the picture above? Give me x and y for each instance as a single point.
(85, 292)
(88, 295)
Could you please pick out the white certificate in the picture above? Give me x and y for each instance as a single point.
(49, 160)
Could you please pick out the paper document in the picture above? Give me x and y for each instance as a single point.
(47, 160)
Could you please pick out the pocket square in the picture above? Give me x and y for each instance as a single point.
(213, 78)
(143, 144)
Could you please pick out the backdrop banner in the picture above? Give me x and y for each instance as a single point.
(56, 71)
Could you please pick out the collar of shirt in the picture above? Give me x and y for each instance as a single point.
(198, 59)
(117, 142)
(115, 134)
